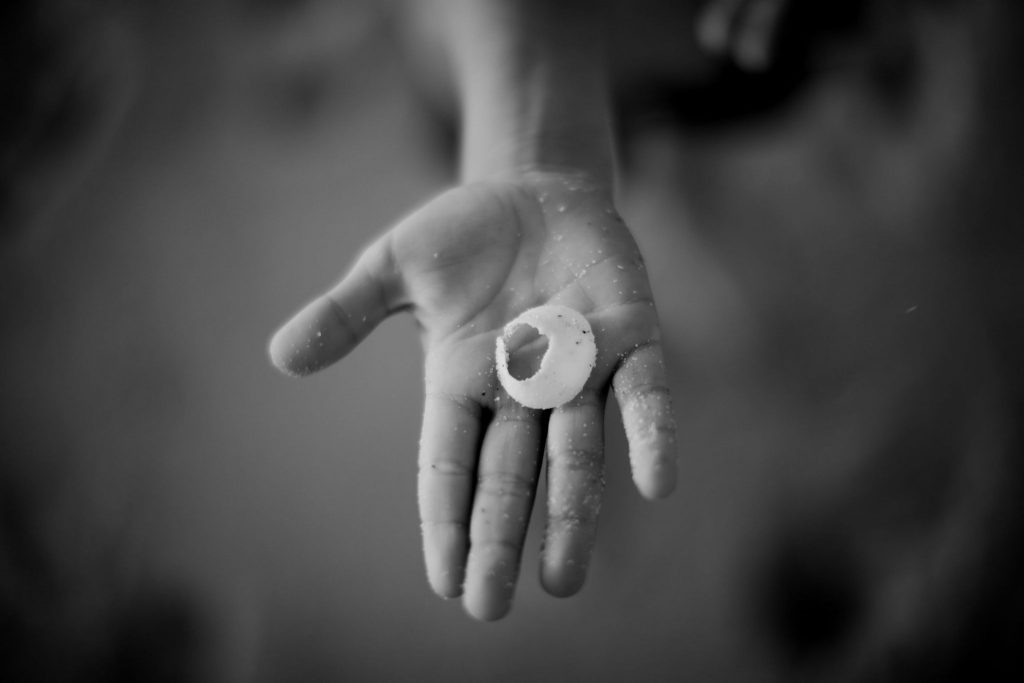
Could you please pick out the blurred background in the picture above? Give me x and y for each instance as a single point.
(833, 243)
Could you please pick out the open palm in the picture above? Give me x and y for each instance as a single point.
(465, 264)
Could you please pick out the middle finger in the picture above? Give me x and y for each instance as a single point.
(575, 478)
(506, 484)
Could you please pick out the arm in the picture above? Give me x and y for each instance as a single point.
(533, 87)
(534, 224)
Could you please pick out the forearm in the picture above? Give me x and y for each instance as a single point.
(533, 86)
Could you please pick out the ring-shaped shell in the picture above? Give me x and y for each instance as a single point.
(570, 357)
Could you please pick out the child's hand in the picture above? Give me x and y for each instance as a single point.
(465, 264)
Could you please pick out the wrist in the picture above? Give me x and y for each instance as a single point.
(534, 88)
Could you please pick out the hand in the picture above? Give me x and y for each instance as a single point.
(465, 264)
(745, 30)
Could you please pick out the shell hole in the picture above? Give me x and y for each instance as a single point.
(526, 349)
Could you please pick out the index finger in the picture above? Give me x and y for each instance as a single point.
(642, 392)
(333, 324)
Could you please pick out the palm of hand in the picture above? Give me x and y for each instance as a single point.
(479, 255)
(465, 264)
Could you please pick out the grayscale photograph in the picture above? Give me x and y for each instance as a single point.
(511, 341)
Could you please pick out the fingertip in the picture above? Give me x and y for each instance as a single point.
(282, 351)
(656, 480)
(444, 547)
(490, 583)
(444, 585)
(568, 545)
(563, 581)
(309, 342)
(487, 605)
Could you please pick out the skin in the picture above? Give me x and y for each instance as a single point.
(901, 432)
(533, 222)
(541, 239)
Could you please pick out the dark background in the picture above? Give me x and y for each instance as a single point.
(834, 254)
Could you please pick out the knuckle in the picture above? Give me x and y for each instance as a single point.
(572, 520)
(503, 484)
(586, 400)
(576, 459)
(464, 404)
(501, 545)
(349, 333)
(447, 467)
(517, 415)
(652, 399)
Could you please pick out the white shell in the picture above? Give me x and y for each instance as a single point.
(570, 358)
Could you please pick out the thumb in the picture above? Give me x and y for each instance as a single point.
(333, 324)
